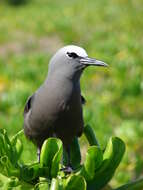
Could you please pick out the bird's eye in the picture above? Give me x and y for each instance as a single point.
(72, 55)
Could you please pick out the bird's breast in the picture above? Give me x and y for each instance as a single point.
(56, 98)
(57, 109)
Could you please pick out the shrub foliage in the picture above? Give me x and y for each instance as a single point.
(95, 173)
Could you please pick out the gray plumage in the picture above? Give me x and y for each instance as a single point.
(55, 109)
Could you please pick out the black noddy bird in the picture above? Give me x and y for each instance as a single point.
(55, 109)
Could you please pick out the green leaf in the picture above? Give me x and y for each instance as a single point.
(18, 134)
(111, 158)
(50, 154)
(75, 182)
(90, 135)
(31, 172)
(44, 185)
(2, 150)
(8, 167)
(75, 154)
(5, 165)
(55, 184)
(12, 183)
(135, 185)
(6, 148)
(17, 148)
(56, 159)
(94, 157)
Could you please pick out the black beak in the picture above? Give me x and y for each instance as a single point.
(92, 62)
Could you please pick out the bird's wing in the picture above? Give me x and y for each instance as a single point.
(28, 104)
(83, 100)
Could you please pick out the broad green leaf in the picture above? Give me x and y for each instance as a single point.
(48, 152)
(56, 159)
(75, 182)
(90, 135)
(94, 157)
(42, 186)
(55, 184)
(111, 158)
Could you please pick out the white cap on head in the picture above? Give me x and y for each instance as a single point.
(76, 49)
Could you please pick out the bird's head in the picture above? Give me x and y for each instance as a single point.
(71, 60)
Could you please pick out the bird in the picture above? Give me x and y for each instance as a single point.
(56, 108)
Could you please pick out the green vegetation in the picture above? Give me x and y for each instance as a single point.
(95, 169)
(108, 30)
(95, 172)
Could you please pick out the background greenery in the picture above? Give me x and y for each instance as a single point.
(109, 30)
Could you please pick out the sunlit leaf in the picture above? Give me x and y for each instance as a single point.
(50, 154)
(111, 159)
(94, 157)
(75, 182)
(55, 184)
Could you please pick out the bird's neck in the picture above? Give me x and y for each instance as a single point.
(61, 76)
(62, 81)
(65, 84)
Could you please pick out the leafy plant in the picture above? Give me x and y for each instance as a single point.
(95, 173)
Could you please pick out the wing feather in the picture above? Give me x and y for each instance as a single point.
(28, 104)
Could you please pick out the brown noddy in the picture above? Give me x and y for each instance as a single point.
(55, 109)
